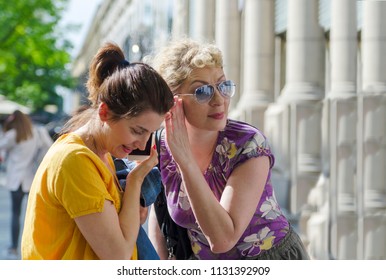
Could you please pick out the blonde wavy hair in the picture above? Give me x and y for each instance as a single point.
(176, 60)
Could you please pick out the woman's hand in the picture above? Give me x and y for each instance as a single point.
(138, 174)
(140, 171)
(176, 133)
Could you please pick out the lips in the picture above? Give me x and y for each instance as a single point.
(126, 149)
(217, 116)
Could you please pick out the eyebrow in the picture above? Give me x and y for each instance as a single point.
(205, 82)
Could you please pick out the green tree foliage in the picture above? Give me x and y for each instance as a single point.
(34, 54)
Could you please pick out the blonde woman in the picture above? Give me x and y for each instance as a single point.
(217, 171)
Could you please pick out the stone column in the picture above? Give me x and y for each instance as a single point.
(342, 198)
(372, 134)
(342, 112)
(305, 53)
(202, 13)
(374, 45)
(302, 94)
(258, 82)
(228, 39)
(180, 26)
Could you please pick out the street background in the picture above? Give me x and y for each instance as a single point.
(5, 217)
(309, 75)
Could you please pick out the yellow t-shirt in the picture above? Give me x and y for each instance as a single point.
(71, 181)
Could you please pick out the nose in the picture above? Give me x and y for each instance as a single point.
(217, 96)
(142, 142)
(140, 145)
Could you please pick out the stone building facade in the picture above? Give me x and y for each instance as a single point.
(312, 75)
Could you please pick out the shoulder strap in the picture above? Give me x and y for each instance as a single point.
(177, 240)
(157, 135)
(160, 204)
(161, 210)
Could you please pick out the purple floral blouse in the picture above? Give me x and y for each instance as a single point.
(235, 144)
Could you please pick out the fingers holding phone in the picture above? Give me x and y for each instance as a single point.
(140, 155)
(146, 159)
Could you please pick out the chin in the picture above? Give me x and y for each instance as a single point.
(210, 125)
(222, 125)
(216, 127)
(118, 155)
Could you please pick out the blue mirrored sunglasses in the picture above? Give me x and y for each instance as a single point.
(205, 93)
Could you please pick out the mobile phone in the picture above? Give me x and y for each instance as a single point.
(138, 154)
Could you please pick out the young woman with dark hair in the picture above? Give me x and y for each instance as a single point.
(76, 208)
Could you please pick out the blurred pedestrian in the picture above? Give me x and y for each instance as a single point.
(19, 146)
(77, 208)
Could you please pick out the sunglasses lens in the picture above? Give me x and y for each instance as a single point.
(204, 93)
(227, 88)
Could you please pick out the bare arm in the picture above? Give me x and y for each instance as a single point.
(156, 236)
(143, 213)
(112, 235)
(237, 205)
(240, 197)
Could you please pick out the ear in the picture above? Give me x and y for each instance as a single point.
(103, 111)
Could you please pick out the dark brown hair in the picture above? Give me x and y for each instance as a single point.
(21, 123)
(128, 89)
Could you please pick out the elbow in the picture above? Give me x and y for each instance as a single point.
(224, 242)
(222, 246)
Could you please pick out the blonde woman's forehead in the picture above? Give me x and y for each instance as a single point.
(207, 71)
(205, 75)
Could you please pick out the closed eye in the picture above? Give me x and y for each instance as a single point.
(137, 132)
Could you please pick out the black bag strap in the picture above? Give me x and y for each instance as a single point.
(161, 209)
(177, 240)
(157, 136)
(160, 203)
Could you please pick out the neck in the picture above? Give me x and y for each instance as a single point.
(203, 146)
(91, 140)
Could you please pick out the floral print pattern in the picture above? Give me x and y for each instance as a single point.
(270, 209)
(226, 150)
(236, 143)
(257, 242)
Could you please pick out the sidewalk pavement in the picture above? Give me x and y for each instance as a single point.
(5, 217)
